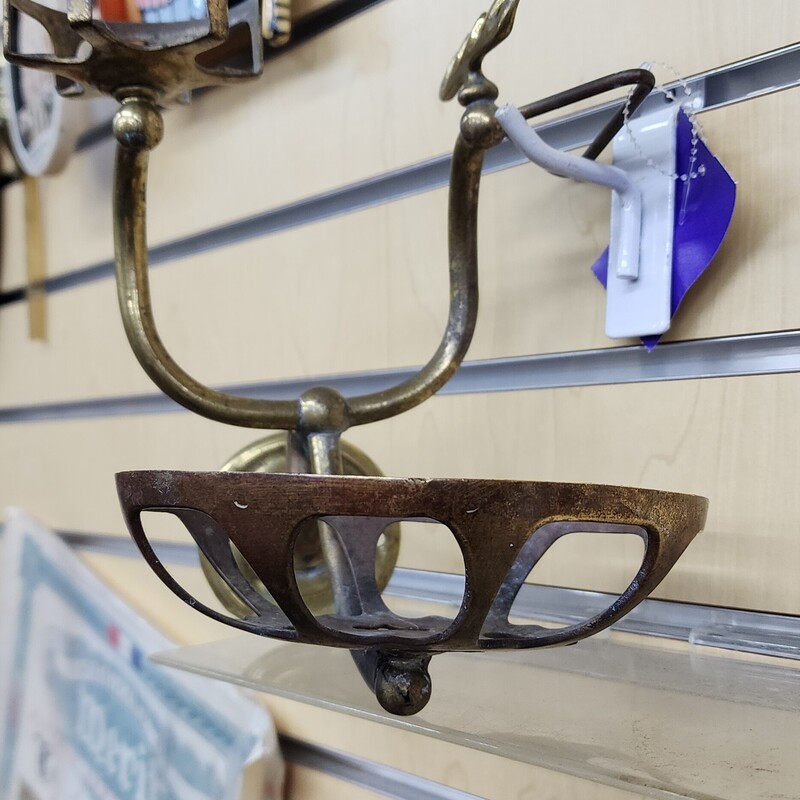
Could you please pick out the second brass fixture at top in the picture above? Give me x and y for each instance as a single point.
(503, 528)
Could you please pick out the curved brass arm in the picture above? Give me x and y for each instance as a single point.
(465, 179)
(178, 60)
(138, 127)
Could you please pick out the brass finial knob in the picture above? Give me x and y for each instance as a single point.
(464, 76)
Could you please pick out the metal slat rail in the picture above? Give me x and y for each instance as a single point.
(371, 775)
(724, 357)
(763, 633)
(747, 354)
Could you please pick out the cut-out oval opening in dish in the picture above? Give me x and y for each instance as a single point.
(227, 585)
(589, 556)
(427, 545)
(585, 557)
(362, 608)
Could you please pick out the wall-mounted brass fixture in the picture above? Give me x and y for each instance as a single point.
(249, 526)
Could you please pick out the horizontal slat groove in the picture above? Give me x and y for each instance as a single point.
(371, 775)
(724, 357)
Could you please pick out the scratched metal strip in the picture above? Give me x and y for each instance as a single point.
(743, 80)
(726, 357)
(372, 775)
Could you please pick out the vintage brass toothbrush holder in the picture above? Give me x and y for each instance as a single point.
(248, 525)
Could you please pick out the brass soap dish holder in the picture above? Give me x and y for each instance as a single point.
(247, 525)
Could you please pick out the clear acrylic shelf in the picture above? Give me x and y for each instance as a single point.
(667, 720)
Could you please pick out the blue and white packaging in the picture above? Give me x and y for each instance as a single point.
(87, 716)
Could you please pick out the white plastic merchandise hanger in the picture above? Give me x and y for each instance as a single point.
(560, 163)
(642, 212)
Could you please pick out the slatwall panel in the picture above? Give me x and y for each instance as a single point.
(257, 279)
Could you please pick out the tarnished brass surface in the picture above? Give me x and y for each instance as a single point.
(164, 68)
(464, 74)
(138, 128)
(313, 580)
(495, 523)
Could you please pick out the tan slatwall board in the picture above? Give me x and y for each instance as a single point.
(369, 291)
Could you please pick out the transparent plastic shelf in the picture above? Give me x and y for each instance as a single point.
(666, 720)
